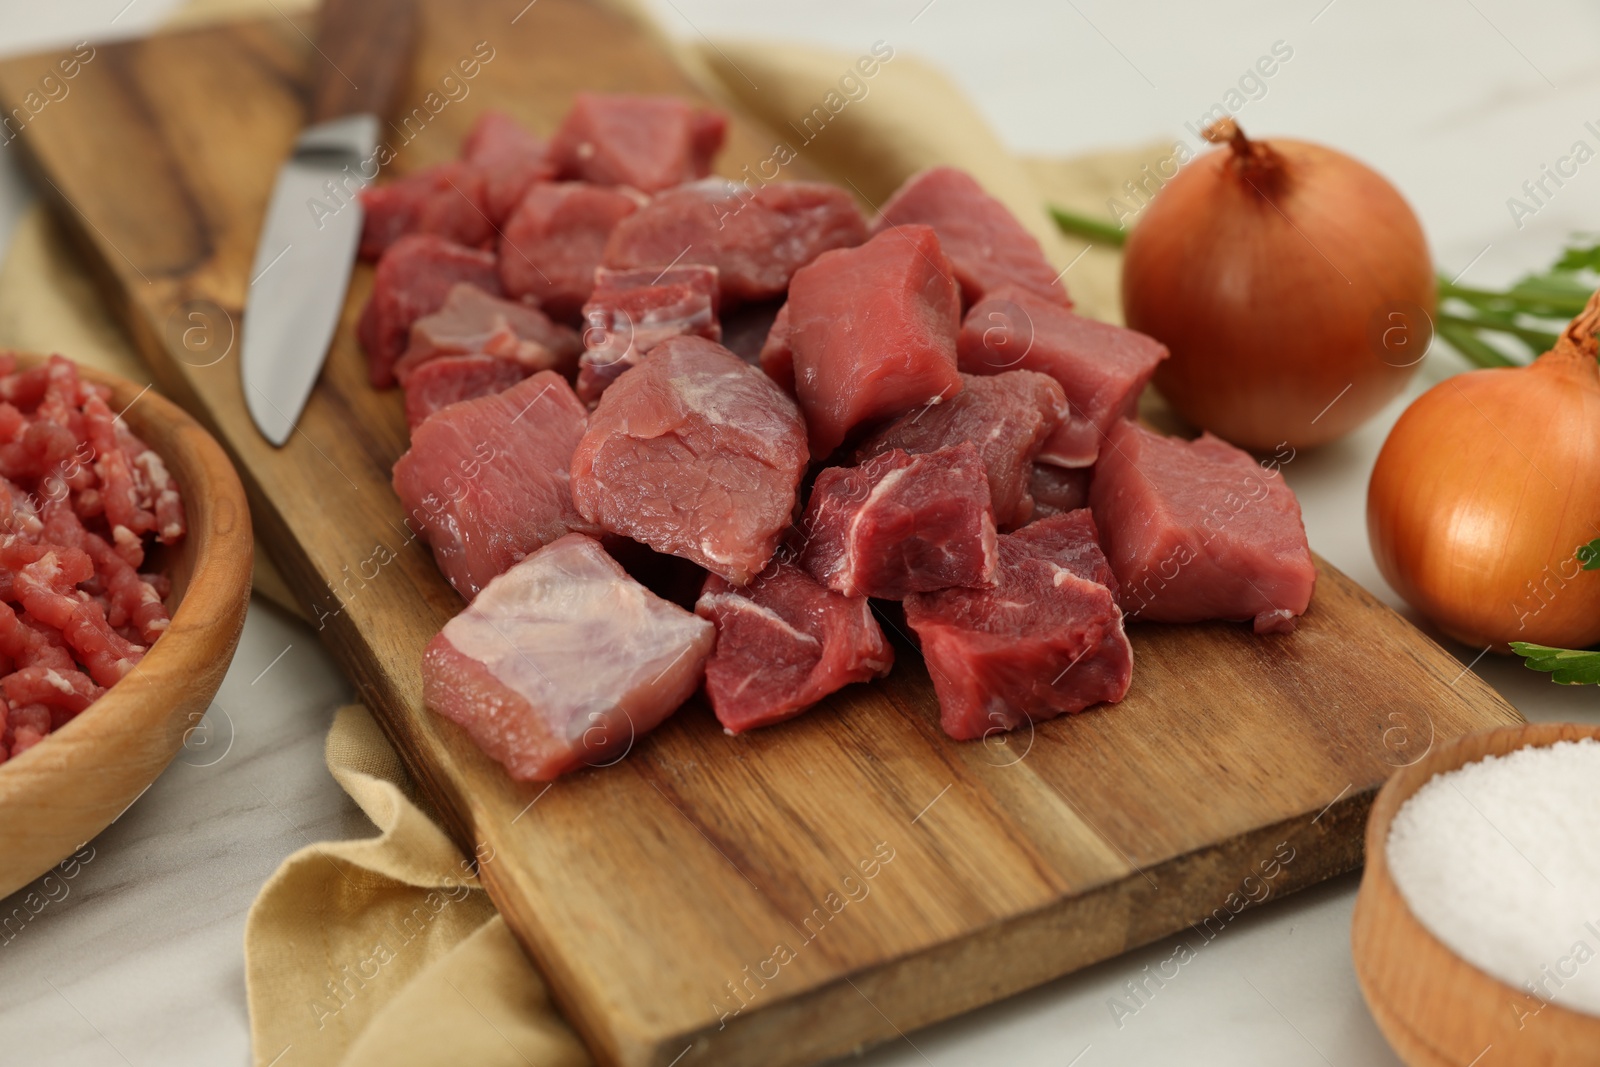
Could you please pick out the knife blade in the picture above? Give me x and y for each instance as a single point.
(312, 228)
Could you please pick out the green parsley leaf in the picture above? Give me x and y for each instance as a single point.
(1564, 665)
(1579, 257)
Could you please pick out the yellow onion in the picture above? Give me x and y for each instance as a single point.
(1485, 490)
(1291, 284)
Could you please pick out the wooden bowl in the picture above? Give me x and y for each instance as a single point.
(1435, 1008)
(73, 784)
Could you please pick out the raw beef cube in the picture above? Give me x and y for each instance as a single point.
(485, 481)
(448, 200)
(783, 643)
(901, 524)
(1057, 490)
(553, 241)
(777, 357)
(473, 322)
(987, 246)
(413, 279)
(1198, 530)
(647, 142)
(1007, 417)
(745, 330)
(873, 331)
(696, 453)
(564, 661)
(450, 379)
(510, 158)
(1046, 639)
(756, 238)
(632, 311)
(1102, 367)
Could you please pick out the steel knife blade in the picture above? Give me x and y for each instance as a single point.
(302, 270)
(312, 228)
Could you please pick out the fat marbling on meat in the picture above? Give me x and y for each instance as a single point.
(474, 322)
(900, 524)
(696, 453)
(1046, 640)
(1008, 417)
(563, 661)
(632, 311)
(755, 237)
(784, 642)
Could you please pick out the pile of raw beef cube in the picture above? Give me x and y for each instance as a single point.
(636, 390)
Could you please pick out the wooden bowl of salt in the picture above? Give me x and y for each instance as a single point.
(1437, 1008)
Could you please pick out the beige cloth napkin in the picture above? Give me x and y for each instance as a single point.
(385, 952)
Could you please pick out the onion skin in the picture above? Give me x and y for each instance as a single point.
(1270, 271)
(1485, 489)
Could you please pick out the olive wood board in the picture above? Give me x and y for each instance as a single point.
(803, 890)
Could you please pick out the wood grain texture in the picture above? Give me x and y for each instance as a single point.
(365, 47)
(705, 897)
(68, 788)
(1435, 1008)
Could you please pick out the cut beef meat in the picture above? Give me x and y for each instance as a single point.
(447, 200)
(986, 244)
(1198, 530)
(451, 379)
(553, 241)
(745, 329)
(756, 238)
(510, 158)
(564, 661)
(632, 311)
(413, 279)
(872, 331)
(1047, 639)
(901, 524)
(1057, 490)
(1102, 367)
(696, 453)
(485, 481)
(473, 322)
(1007, 417)
(647, 142)
(777, 356)
(783, 643)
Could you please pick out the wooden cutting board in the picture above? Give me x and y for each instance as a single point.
(806, 889)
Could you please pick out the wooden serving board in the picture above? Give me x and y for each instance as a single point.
(805, 889)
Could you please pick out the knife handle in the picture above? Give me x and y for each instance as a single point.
(363, 53)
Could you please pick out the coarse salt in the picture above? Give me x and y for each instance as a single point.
(1500, 860)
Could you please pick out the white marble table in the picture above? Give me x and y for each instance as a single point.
(1458, 101)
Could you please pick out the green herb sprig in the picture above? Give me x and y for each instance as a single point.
(1564, 665)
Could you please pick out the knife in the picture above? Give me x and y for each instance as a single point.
(312, 230)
